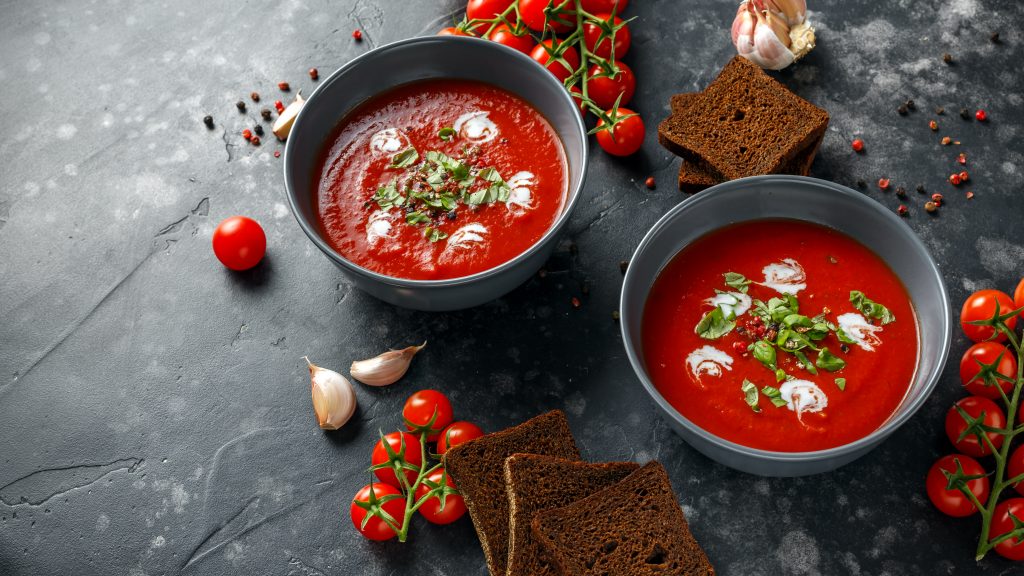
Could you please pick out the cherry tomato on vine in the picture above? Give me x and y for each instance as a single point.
(413, 455)
(457, 433)
(376, 528)
(532, 13)
(570, 55)
(981, 306)
(1013, 548)
(239, 243)
(454, 505)
(603, 6)
(605, 90)
(502, 34)
(602, 47)
(452, 31)
(625, 137)
(974, 406)
(953, 502)
(421, 407)
(1015, 467)
(1018, 297)
(487, 10)
(987, 353)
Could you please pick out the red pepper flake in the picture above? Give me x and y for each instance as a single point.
(277, 153)
(739, 347)
(284, 86)
(962, 158)
(314, 74)
(883, 183)
(357, 35)
(857, 145)
(946, 140)
(970, 194)
(954, 179)
(576, 302)
(279, 106)
(650, 183)
(255, 141)
(964, 176)
(247, 134)
(934, 126)
(902, 210)
(981, 116)
(937, 198)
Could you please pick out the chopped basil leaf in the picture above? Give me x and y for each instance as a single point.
(829, 361)
(843, 337)
(388, 197)
(750, 395)
(780, 375)
(405, 158)
(870, 308)
(446, 133)
(714, 325)
(764, 352)
(737, 281)
(434, 234)
(774, 395)
(791, 341)
(777, 309)
(841, 383)
(416, 217)
(805, 361)
(458, 169)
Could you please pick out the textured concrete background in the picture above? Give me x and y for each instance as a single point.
(154, 410)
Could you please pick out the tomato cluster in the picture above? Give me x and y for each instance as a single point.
(380, 510)
(978, 426)
(581, 44)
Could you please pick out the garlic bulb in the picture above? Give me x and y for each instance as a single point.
(384, 369)
(334, 399)
(772, 33)
(283, 125)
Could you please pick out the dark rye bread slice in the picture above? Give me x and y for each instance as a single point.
(478, 470)
(743, 124)
(536, 483)
(633, 528)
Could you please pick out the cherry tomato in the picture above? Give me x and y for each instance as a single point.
(987, 353)
(454, 505)
(1012, 549)
(377, 529)
(1018, 297)
(604, 6)
(239, 242)
(604, 90)
(421, 407)
(453, 31)
(627, 137)
(621, 40)
(953, 502)
(532, 13)
(1015, 467)
(974, 406)
(571, 56)
(502, 34)
(577, 95)
(981, 306)
(413, 455)
(487, 10)
(457, 433)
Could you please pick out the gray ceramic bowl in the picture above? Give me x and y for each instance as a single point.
(420, 59)
(810, 200)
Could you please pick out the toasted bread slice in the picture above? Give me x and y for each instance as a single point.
(536, 483)
(478, 470)
(633, 528)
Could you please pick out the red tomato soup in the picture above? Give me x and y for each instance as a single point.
(440, 179)
(781, 335)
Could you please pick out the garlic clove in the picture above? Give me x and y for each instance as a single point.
(283, 125)
(334, 399)
(743, 25)
(386, 368)
(769, 50)
(792, 12)
(772, 33)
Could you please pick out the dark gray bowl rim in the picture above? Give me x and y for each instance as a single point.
(573, 193)
(890, 425)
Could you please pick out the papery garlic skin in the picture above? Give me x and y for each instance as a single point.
(385, 369)
(334, 399)
(772, 33)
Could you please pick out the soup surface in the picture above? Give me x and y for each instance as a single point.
(440, 179)
(781, 335)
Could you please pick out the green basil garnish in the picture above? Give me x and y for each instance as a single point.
(714, 325)
(416, 217)
(870, 308)
(446, 133)
(829, 361)
(805, 361)
(434, 234)
(841, 384)
(750, 395)
(387, 196)
(736, 281)
(764, 352)
(774, 395)
(405, 158)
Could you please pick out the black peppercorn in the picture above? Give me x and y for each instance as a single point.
(240, 105)
(902, 110)
(623, 265)
(901, 191)
(920, 189)
(940, 110)
(451, 215)
(910, 105)
(965, 113)
(266, 114)
(258, 129)
(995, 38)
(861, 184)
(947, 58)
(208, 120)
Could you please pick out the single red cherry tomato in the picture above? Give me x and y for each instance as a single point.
(454, 505)
(1018, 298)
(1015, 467)
(625, 137)
(532, 13)
(981, 306)
(502, 34)
(453, 31)
(974, 406)
(570, 55)
(603, 6)
(987, 353)
(239, 242)
(953, 502)
(457, 433)
(621, 40)
(376, 528)
(605, 90)
(413, 455)
(487, 9)
(1013, 548)
(422, 406)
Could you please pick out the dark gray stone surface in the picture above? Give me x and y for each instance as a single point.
(154, 410)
